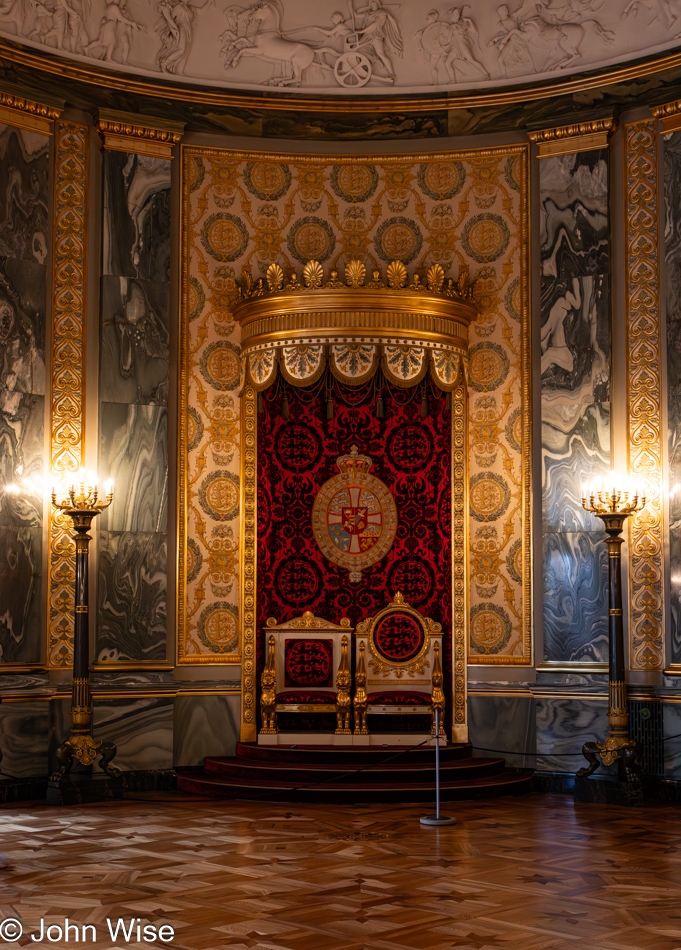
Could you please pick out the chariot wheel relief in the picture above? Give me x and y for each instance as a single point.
(354, 518)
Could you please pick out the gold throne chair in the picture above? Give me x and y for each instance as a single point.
(399, 671)
(307, 670)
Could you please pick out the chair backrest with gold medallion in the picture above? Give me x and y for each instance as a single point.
(307, 670)
(399, 665)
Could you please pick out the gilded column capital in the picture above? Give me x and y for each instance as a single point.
(27, 113)
(578, 137)
(128, 132)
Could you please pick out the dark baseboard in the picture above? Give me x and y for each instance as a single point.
(35, 789)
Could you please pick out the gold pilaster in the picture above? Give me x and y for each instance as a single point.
(459, 572)
(248, 563)
(644, 388)
(68, 370)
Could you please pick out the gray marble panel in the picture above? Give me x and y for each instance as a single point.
(23, 301)
(24, 738)
(20, 594)
(575, 596)
(141, 728)
(136, 227)
(24, 197)
(563, 726)
(131, 596)
(672, 198)
(505, 725)
(671, 726)
(22, 449)
(205, 725)
(134, 452)
(574, 214)
(134, 341)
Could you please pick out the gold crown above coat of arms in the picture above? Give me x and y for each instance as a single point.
(353, 462)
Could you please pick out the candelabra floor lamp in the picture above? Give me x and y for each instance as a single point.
(82, 504)
(613, 506)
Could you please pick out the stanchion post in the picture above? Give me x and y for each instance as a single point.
(437, 819)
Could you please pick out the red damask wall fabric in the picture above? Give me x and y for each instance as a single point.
(410, 454)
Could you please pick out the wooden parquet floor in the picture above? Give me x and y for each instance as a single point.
(535, 873)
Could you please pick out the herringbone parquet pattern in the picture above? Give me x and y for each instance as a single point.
(536, 873)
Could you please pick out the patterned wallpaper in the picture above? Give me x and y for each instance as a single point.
(466, 211)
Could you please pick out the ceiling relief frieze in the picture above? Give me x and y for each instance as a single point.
(372, 47)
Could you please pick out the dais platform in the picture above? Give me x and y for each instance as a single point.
(353, 774)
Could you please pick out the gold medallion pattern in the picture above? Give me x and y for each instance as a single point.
(312, 221)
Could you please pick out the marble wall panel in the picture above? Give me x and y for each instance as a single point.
(20, 594)
(131, 594)
(22, 325)
(672, 252)
(24, 738)
(134, 452)
(141, 728)
(575, 399)
(22, 452)
(504, 724)
(575, 572)
(671, 726)
(136, 225)
(134, 341)
(205, 725)
(563, 726)
(24, 203)
(574, 214)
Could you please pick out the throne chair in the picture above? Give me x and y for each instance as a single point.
(307, 670)
(399, 669)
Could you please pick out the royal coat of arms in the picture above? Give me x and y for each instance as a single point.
(354, 518)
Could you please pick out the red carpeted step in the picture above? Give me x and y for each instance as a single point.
(212, 786)
(336, 755)
(376, 769)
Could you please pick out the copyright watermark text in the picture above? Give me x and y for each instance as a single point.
(133, 930)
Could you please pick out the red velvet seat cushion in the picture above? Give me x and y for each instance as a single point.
(306, 696)
(407, 698)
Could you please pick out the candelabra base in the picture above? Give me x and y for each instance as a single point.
(607, 790)
(84, 790)
(618, 749)
(84, 749)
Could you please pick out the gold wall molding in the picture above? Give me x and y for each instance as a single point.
(459, 403)
(71, 180)
(27, 113)
(249, 482)
(578, 137)
(143, 135)
(162, 89)
(646, 571)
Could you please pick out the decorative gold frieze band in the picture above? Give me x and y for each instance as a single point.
(68, 370)
(26, 113)
(248, 563)
(580, 137)
(646, 556)
(459, 559)
(126, 132)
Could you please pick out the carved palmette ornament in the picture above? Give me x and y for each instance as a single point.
(404, 365)
(303, 363)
